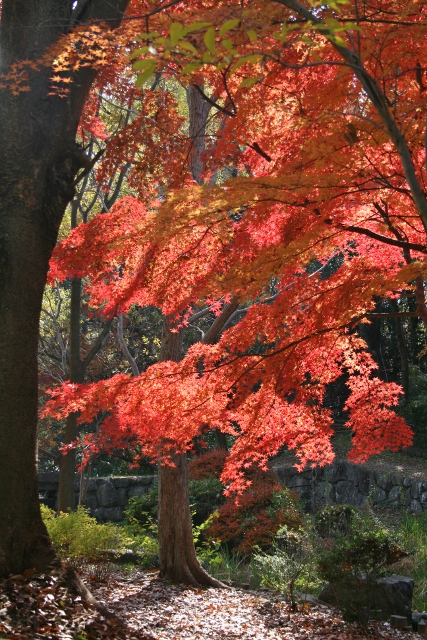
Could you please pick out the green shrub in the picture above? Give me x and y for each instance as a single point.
(141, 511)
(413, 534)
(415, 409)
(78, 536)
(353, 559)
(205, 496)
(334, 519)
(226, 566)
(291, 563)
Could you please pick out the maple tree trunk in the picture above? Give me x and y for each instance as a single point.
(39, 159)
(178, 560)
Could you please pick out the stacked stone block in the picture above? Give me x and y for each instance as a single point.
(341, 482)
(346, 483)
(106, 498)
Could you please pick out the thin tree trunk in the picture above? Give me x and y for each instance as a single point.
(403, 353)
(67, 463)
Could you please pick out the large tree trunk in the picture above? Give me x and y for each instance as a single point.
(39, 159)
(178, 561)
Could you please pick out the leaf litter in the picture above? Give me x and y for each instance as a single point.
(144, 607)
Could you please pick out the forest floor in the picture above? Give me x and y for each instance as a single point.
(146, 608)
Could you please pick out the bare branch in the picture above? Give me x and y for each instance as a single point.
(124, 348)
(395, 314)
(376, 236)
(213, 103)
(97, 345)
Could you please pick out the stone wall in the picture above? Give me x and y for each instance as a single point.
(107, 498)
(340, 482)
(343, 482)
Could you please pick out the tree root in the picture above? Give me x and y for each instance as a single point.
(71, 579)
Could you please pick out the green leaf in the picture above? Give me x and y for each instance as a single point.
(189, 68)
(195, 27)
(227, 26)
(148, 36)
(209, 40)
(138, 52)
(227, 44)
(238, 64)
(175, 31)
(255, 57)
(252, 35)
(248, 83)
(139, 65)
(184, 44)
(207, 57)
(165, 42)
(149, 70)
(337, 40)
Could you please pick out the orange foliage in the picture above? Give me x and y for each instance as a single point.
(328, 211)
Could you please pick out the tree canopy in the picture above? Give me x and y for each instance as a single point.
(312, 205)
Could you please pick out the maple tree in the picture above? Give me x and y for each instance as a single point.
(319, 119)
(328, 196)
(319, 113)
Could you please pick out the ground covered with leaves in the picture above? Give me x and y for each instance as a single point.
(145, 608)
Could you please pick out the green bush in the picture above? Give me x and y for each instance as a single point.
(205, 497)
(334, 519)
(78, 536)
(141, 511)
(353, 559)
(290, 565)
(415, 410)
(413, 532)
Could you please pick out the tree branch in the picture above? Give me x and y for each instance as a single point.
(124, 348)
(97, 345)
(213, 103)
(220, 322)
(378, 100)
(422, 248)
(395, 314)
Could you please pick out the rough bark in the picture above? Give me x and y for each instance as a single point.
(198, 110)
(39, 159)
(178, 560)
